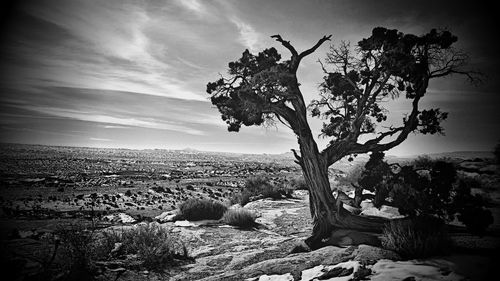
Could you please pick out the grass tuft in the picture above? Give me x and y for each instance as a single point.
(418, 237)
(263, 187)
(240, 217)
(202, 209)
(155, 246)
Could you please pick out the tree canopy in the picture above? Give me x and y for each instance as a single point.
(387, 65)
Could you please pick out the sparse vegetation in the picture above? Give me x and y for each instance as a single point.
(84, 253)
(352, 176)
(417, 237)
(241, 197)
(240, 217)
(71, 253)
(202, 209)
(80, 248)
(298, 183)
(426, 187)
(422, 162)
(263, 187)
(155, 246)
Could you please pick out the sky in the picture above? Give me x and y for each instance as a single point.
(133, 74)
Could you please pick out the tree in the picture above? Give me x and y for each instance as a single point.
(386, 65)
(426, 188)
(373, 178)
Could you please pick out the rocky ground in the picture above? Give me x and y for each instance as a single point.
(37, 201)
(222, 252)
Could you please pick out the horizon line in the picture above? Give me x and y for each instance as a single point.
(212, 151)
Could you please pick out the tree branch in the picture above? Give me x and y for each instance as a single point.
(323, 66)
(313, 48)
(384, 135)
(409, 126)
(296, 57)
(284, 122)
(361, 111)
(283, 111)
(345, 147)
(297, 157)
(286, 44)
(473, 76)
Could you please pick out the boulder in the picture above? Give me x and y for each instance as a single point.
(412, 270)
(283, 277)
(184, 223)
(367, 254)
(346, 270)
(348, 237)
(168, 216)
(293, 264)
(119, 218)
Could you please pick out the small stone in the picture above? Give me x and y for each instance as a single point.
(336, 272)
(184, 223)
(168, 216)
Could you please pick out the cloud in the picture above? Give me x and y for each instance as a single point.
(49, 132)
(95, 46)
(193, 5)
(99, 139)
(249, 37)
(114, 127)
(149, 123)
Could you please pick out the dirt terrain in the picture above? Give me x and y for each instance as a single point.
(48, 182)
(44, 187)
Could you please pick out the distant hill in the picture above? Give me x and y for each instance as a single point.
(287, 156)
(460, 154)
(190, 150)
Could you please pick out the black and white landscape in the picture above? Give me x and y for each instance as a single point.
(249, 140)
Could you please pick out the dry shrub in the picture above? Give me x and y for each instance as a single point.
(263, 187)
(79, 249)
(240, 217)
(202, 209)
(241, 197)
(260, 185)
(351, 177)
(418, 237)
(155, 246)
(298, 183)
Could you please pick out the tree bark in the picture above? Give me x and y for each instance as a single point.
(327, 212)
(358, 195)
(321, 200)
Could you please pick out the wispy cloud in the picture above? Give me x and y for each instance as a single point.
(49, 132)
(99, 139)
(248, 36)
(149, 123)
(102, 49)
(193, 5)
(114, 127)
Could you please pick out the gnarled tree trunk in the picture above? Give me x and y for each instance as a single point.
(321, 200)
(327, 212)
